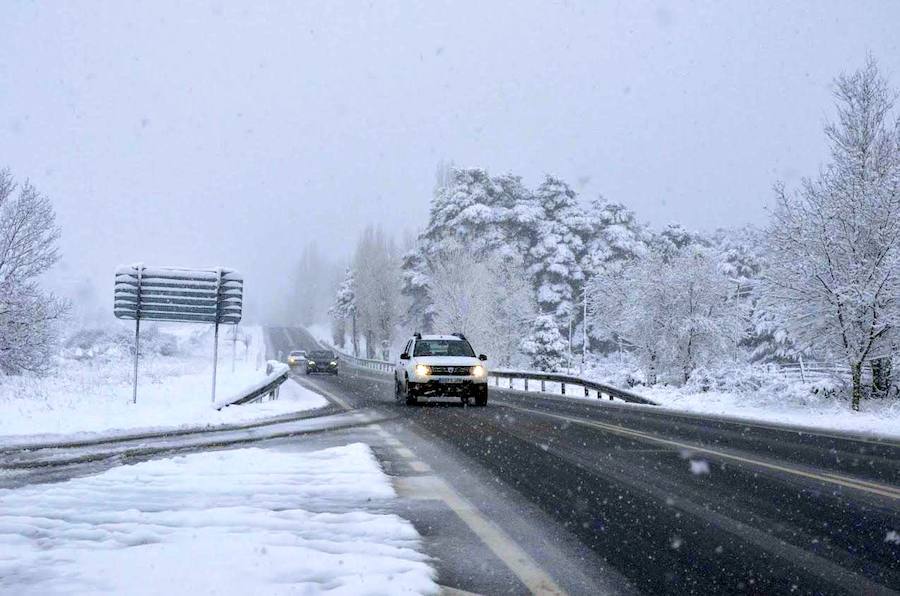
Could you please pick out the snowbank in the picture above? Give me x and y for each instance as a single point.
(756, 393)
(879, 417)
(247, 521)
(92, 394)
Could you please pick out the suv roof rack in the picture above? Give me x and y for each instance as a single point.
(459, 335)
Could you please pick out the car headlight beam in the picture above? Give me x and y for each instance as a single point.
(478, 371)
(422, 370)
(311, 363)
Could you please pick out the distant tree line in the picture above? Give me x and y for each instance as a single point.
(516, 268)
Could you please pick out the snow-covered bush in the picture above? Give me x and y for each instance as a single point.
(545, 345)
(116, 342)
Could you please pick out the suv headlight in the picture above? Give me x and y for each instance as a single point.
(422, 370)
(478, 371)
(333, 363)
(311, 363)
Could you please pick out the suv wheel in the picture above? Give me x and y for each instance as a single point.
(481, 395)
(410, 395)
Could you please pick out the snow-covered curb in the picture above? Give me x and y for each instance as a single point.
(249, 521)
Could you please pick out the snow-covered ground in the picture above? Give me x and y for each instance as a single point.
(91, 389)
(755, 394)
(762, 394)
(246, 521)
(877, 417)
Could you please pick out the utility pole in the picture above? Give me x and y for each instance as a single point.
(571, 320)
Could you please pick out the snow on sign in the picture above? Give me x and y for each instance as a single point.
(180, 295)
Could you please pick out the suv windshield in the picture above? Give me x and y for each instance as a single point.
(443, 347)
(321, 355)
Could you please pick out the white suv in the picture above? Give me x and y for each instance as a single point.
(440, 365)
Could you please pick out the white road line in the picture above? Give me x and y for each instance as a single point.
(338, 400)
(535, 579)
(448, 591)
(517, 560)
(404, 452)
(419, 466)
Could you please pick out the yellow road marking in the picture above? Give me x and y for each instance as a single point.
(862, 485)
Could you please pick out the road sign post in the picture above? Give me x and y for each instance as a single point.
(178, 295)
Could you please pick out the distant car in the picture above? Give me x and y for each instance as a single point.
(297, 357)
(322, 361)
(440, 365)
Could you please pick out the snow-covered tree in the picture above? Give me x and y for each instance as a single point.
(554, 259)
(513, 309)
(545, 345)
(487, 298)
(616, 237)
(28, 248)
(471, 209)
(675, 309)
(376, 268)
(834, 273)
(344, 310)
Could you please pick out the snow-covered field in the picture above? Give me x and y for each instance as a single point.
(90, 390)
(246, 521)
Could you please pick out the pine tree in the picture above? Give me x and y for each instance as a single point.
(545, 345)
(554, 259)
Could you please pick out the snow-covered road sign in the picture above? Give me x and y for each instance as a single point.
(179, 295)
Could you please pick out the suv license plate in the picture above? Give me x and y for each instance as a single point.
(450, 380)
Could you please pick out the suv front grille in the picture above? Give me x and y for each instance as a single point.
(459, 371)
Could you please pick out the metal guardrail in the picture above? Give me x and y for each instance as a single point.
(379, 365)
(601, 390)
(270, 388)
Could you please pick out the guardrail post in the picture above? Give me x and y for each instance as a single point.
(543, 386)
(526, 384)
(496, 381)
(586, 392)
(510, 382)
(563, 387)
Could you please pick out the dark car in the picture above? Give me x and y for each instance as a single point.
(322, 361)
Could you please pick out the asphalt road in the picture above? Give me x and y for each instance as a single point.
(644, 499)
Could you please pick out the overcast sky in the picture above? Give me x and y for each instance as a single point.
(222, 133)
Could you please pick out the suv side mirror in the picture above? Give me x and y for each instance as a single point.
(404, 356)
(482, 357)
